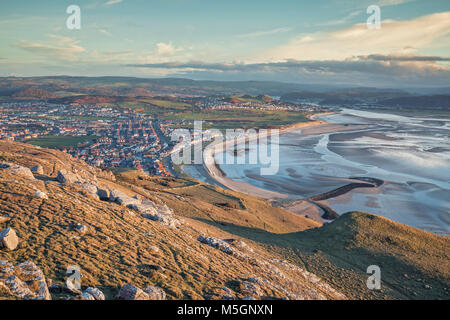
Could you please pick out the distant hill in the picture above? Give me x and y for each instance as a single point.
(33, 93)
(426, 102)
(381, 98)
(243, 98)
(349, 96)
(88, 99)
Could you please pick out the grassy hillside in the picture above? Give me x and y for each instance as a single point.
(121, 246)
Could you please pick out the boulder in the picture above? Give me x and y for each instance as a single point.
(70, 286)
(130, 292)
(153, 249)
(37, 169)
(9, 239)
(251, 288)
(17, 170)
(121, 198)
(24, 281)
(3, 219)
(81, 228)
(40, 195)
(34, 278)
(90, 188)
(216, 243)
(103, 194)
(147, 207)
(67, 177)
(155, 293)
(85, 296)
(96, 293)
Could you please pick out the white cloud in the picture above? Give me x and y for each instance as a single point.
(340, 21)
(165, 49)
(112, 2)
(105, 32)
(64, 48)
(397, 37)
(385, 3)
(264, 33)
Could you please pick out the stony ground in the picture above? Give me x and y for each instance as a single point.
(141, 237)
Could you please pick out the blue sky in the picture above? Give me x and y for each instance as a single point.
(301, 41)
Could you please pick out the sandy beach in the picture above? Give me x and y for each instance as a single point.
(312, 127)
(323, 166)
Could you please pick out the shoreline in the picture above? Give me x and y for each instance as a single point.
(307, 207)
(311, 127)
(216, 173)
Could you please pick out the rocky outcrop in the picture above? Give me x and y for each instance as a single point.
(121, 198)
(9, 239)
(71, 287)
(17, 170)
(40, 195)
(24, 281)
(155, 293)
(103, 194)
(85, 296)
(91, 189)
(97, 294)
(218, 244)
(130, 292)
(162, 214)
(68, 177)
(81, 228)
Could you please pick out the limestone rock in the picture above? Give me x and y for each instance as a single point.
(251, 288)
(90, 189)
(24, 281)
(9, 239)
(71, 287)
(81, 228)
(17, 170)
(96, 293)
(67, 177)
(103, 194)
(153, 249)
(40, 195)
(130, 292)
(34, 278)
(121, 198)
(155, 293)
(85, 296)
(216, 243)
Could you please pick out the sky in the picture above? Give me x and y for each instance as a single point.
(315, 42)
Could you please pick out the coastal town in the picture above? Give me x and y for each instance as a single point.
(109, 136)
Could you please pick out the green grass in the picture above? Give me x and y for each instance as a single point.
(60, 141)
(244, 118)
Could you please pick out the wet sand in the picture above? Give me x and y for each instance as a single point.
(409, 154)
(313, 127)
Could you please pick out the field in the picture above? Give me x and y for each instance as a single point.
(157, 107)
(60, 141)
(242, 118)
